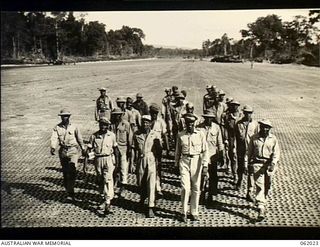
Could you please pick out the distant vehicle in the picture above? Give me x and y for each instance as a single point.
(226, 59)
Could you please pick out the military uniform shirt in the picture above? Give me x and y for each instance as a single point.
(66, 137)
(103, 144)
(133, 117)
(123, 133)
(213, 137)
(267, 148)
(191, 144)
(244, 131)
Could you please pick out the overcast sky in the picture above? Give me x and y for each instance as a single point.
(187, 29)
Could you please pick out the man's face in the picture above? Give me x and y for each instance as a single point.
(168, 92)
(153, 115)
(181, 100)
(190, 126)
(264, 130)
(221, 97)
(103, 126)
(247, 115)
(208, 121)
(129, 105)
(117, 117)
(103, 93)
(190, 109)
(235, 107)
(120, 104)
(139, 99)
(65, 119)
(145, 124)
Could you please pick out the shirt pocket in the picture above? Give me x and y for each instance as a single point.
(122, 134)
(196, 144)
(97, 144)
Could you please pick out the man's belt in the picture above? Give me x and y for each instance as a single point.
(190, 155)
(67, 147)
(102, 155)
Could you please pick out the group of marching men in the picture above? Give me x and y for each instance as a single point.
(133, 137)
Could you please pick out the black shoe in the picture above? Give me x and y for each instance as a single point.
(262, 213)
(237, 187)
(159, 193)
(250, 198)
(150, 213)
(194, 217)
(69, 199)
(182, 218)
(107, 209)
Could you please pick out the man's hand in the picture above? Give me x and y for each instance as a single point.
(245, 170)
(205, 171)
(271, 167)
(250, 169)
(52, 151)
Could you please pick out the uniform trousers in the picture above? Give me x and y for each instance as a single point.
(262, 182)
(124, 166)
(213, 175)
(104, 168)
(190, 172)
(69, 159)
(146, 178)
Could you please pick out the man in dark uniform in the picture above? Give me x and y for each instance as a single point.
(210, 97)
(104, 103)
(141, 105)
(230, 119)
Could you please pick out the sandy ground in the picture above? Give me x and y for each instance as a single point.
(32, 191)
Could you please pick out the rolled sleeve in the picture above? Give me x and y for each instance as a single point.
(54, 139)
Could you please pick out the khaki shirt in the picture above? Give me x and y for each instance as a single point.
(147, 144)
(103, 101)
(191, 144)
(213, 137)
(103, 144)
(260, 148)
(219, 109)
(133, 117)
(208, 102)
(159, 125)
(67, 137)
(244, 131)
(123, 133)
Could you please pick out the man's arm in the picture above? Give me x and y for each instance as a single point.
(79, 139)
(178, 150)
(54, 141)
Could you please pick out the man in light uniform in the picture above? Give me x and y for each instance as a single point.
(121, 103)
(263, 156)
(103, 102)
(134, 118)
(214, 140)
(147, 144)
(68, 137)
(121, 128)
(192, 159)
(104, 145)
(245, 129)
(159, 126)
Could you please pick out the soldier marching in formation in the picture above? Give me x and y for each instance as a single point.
(133, 136)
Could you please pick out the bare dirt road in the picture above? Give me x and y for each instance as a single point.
(31, 180)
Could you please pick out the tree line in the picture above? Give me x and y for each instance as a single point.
(272, 39)
(41, 36)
